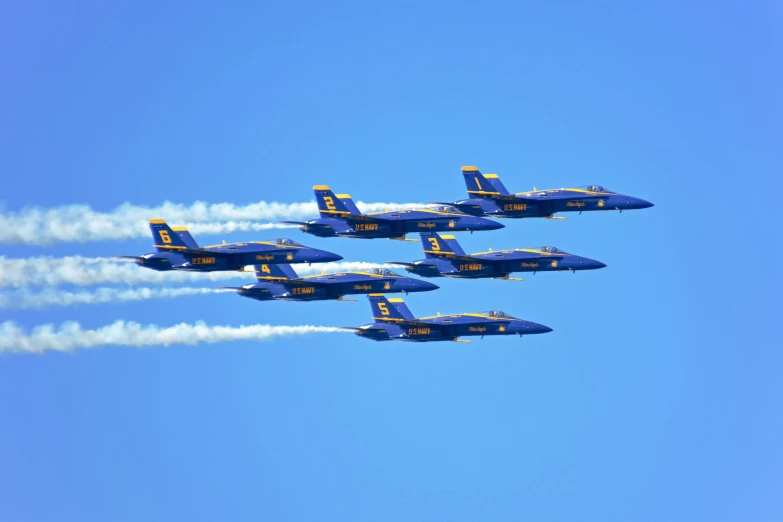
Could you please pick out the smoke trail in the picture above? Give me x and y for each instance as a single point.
(85, 271)
(23, 299)
(80, 223)
(70, 335)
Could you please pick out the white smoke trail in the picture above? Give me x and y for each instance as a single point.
(86, 271)
(23, 299)
(81, 223)
(70, 335)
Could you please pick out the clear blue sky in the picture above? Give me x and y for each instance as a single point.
(657, 396)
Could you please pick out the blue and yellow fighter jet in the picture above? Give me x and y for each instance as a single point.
(394, 322)
(177, 250)
(488, 197)
(341, 217)
(445, 258)
(280, 282)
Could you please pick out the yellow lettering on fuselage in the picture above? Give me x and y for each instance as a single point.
(366, 227)
(265, 258)
(202, 261)
(362, 287)
(529, 265)
(419, 331)
(577, 204)
(514, 206)
(477, 329)
(425, 225)
(471, 266)
(303, 290)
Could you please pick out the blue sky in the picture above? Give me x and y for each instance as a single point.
(657, 396)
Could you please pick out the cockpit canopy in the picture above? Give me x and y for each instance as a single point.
(499, 315)
(383, 271)
(553, 250)
(446, 208)
(286, 242)
(596, 188)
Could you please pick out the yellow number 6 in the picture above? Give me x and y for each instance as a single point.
(164, 235)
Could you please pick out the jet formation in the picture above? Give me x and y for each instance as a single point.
(276, 279)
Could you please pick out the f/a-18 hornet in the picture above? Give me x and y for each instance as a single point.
(177, 250)
(341, 217)
(445, 258)
(488, 197)
(394, 322)
(280, 282)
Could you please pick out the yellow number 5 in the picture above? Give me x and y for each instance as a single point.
(383, 309)
(164, 235)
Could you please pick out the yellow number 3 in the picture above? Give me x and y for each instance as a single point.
(383, 309)
(435, 245)
(164, 235)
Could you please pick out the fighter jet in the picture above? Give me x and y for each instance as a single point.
(341, 217)
(445, 258)
(280, 282)
(177, 250)
(394, 322)
(488, 197)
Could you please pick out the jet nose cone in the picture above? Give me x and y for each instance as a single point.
(535, 328)
(328, 257)
(425, 286)
(487, 224)
(645, 204)
(591, 264)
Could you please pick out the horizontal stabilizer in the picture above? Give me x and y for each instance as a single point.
(400, 263)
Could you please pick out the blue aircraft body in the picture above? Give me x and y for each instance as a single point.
(488, 197)
(394, 322)
(341, 217)
(445, 258)
(280, 282)
(177, 250)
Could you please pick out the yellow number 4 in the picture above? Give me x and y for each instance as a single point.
(164, 235)
(265, 269)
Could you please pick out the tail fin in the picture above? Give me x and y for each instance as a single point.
(435, 245)
(274, 272)
(183, 233)
(392, 310)
(483, 184)
(164, 238)
(331, 205)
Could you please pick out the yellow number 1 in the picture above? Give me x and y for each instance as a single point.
(164, 235)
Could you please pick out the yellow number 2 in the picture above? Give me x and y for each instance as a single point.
(383, 309)
(329, 202)
(164, 235)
